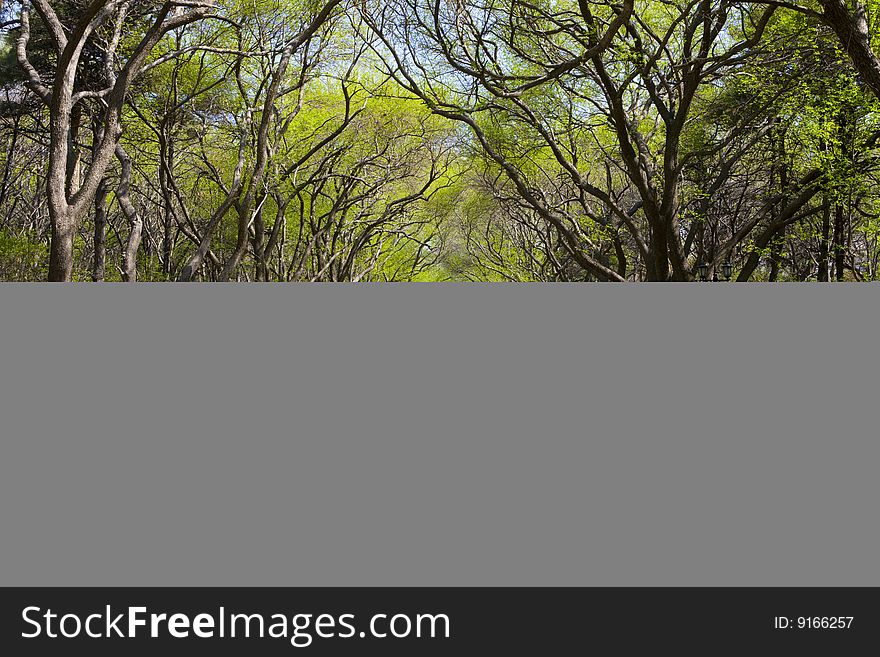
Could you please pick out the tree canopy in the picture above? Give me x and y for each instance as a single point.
(419, 140)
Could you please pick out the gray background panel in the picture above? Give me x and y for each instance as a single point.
(439, 435)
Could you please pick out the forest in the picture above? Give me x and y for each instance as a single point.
(439, 140)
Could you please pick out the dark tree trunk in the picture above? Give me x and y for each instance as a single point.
(780, 167)
(839, 244)
(10, 158)
(166, 155)
(659, 270)
(98, 264)
(776, 255)
(851, 27)
(823, 242)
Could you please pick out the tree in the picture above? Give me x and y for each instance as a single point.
(558, 140)
(71, 193)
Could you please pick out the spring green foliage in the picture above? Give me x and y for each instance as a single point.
(479, 143)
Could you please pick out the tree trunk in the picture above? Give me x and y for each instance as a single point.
(851, 27)
(776, 255)
(129, 255)
(659, 252)
(839, 243)
(166, 162)
(779, 166)
(61, 253)
(98, 264)
(823, 242)
(260, 268)
(74, 161)
(10, 158)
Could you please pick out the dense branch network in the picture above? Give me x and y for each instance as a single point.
(565, 140)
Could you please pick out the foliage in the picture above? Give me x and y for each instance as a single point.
(499, 140)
